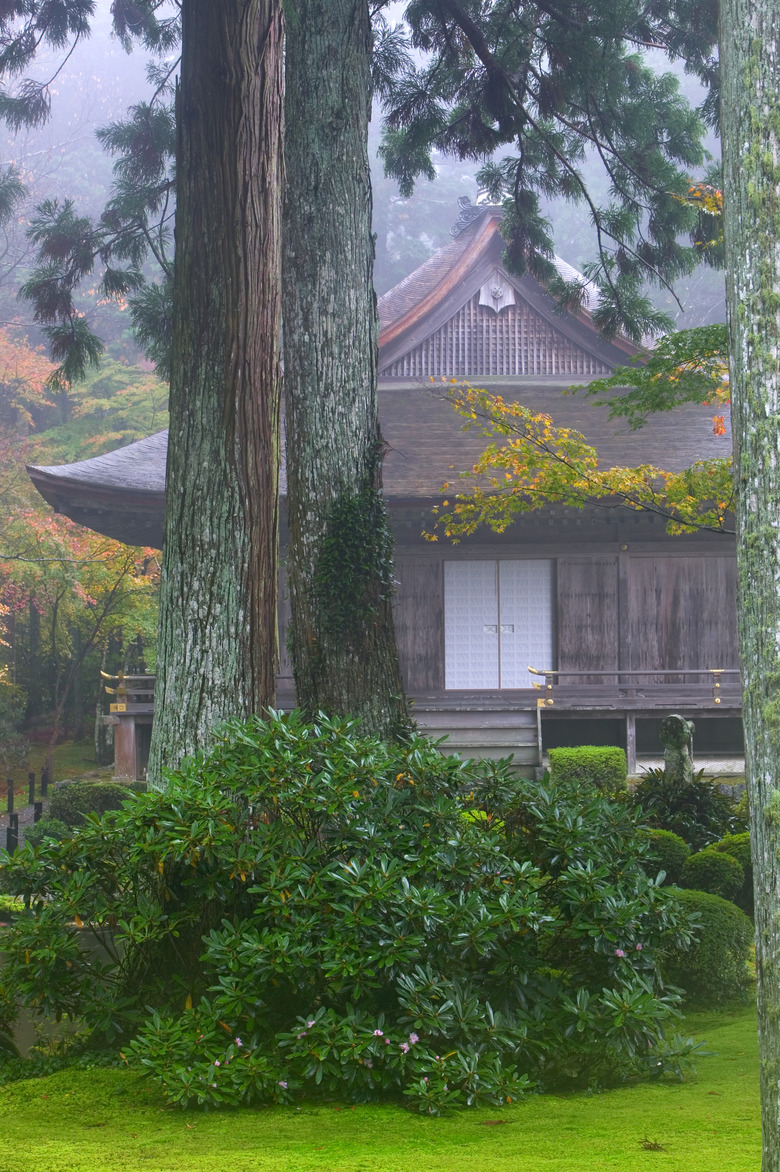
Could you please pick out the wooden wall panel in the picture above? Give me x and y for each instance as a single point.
(418, 610)
(682, 613)
(588, 617)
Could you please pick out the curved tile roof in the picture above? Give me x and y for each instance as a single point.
(122, 493)
(141, 464)
(408, 293)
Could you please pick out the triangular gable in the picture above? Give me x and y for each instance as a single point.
(474, 320)
(483, 340)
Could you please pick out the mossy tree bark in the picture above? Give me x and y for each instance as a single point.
(340, 559)
(750, 110)
(217, 645)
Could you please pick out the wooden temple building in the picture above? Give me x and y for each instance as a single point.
(622, 623)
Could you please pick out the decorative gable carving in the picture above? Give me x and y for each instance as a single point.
(497, 292)
(493, 335)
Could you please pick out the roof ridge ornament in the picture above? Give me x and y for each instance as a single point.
(469, 212)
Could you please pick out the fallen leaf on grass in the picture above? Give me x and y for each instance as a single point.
(651, 1146)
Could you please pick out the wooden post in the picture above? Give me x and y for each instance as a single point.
(44, 783)
(12, 834)
(631, 742)
(10, 787)
(539, 748)
(37, 811)
(31, 788)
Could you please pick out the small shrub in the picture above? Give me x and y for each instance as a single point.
(698, 811)
(47, 828)
(667, 852)
(738, 847)
(72, 800)
(590, 766)
(8, 1047)
(711, 871)
(10, 905)
(715, 966)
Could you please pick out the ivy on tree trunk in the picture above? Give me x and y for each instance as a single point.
(340, 560)
(750, 112)
(217, 645)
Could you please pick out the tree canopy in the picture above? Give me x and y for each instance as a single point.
(531, 463)
(553, 86)
(555, 83)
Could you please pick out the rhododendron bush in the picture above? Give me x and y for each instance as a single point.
(307, 913)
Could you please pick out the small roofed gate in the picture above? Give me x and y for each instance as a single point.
(131, 709)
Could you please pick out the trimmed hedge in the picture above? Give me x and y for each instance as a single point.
(668, 852)
(593, 766)
(738, 847)
(47, 828)
(712, 871)
(715, 967)
(72, 800)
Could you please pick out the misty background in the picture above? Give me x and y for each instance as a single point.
(96, 85)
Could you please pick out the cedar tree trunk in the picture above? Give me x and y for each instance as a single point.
(217, 643)
(340, 560)
(750, 106)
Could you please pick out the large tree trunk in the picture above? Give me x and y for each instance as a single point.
(217, 644)
(340, 561)
(750, 52)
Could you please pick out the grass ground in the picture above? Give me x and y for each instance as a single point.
(82, 1121)
(71, 759)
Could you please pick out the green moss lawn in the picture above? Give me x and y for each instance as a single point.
(71, 759)
(81, 1121)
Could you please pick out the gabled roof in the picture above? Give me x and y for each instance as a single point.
(516, 315)
(122, 493)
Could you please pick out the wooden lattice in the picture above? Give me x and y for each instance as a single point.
(478, 342)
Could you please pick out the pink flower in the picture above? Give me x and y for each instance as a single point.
(413, 1039)
(218, 1063)
(378, 1034)
(239, 1042)
(302, 1034)
(405, 1047)
(639, 947)
(387, 1041)
(619, 952)
(283, 1084)
(310, 1023)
